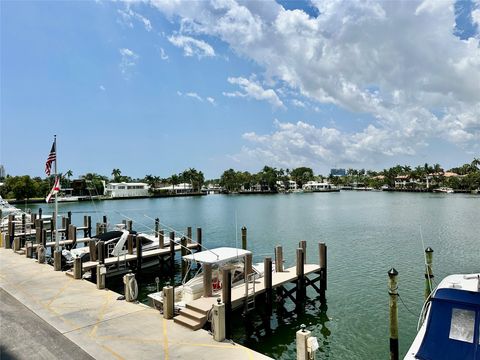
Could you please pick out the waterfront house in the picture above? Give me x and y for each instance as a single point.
(317, 186)
(125, 190)
(182, 188)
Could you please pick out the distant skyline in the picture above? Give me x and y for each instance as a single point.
(155, 87)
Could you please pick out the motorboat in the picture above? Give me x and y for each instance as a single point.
(450, 321)
(220, 258)
(445, 190)
(7, 209)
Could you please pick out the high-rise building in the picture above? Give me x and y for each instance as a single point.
(338, 172)
(2, 172)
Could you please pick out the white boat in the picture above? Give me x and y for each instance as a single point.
(219, 258)
(445, 190)
(7, 209)
(314, 186)
(450, 321)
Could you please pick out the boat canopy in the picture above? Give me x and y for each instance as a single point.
(453, 327)
(218, 255)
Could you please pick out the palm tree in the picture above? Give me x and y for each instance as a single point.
(116, 173)
(174, 179)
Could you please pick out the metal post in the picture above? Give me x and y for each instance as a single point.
(392, 291)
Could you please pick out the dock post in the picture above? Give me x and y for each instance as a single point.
(322, 249)
(77, 268)
(105, 219)
(64, 227)
(101, 275)
(189, 234)
(100, 252)
(38, 231)
(39, 213)
(139, 254)
(392, 291)
(29, 249)
(300, 276)
(41, 254)
(428, 271)
(11, 232)
(16, 243)
(183, 251)
(72, 235)
(129, 225)
(89, 224)
(219, 321)
(227, 300)
(303, 244)
(302, 337)
(248, 265)
(278, 258)
(267, 265)
(244, 238)
(199, 239)
(157, 226)
(92, 249)
(130, 244)
(207, 280)
(168, 302)
(130, 287)
(69, 216)
(172, 256)
(98, 228)
(161, 239)
(44, 238)
(24, 230)
(33, 218)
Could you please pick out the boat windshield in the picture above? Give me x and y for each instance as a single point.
(217, 256)
(453, 326)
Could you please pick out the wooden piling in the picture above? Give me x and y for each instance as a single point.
(392, 291)
(267, 265)
(322, 249)
(29, 249)
(172, 256)
(72, 235)
(11, 232)
(101, 251)
(300, 270)
(130, 244)
(428, 271)
(105, 219)
(278, 258)
(199, 239)
(39, 213)
(98, 229)
(227, 300)
(189, 235)
(248, 264)
(41, 254)
(157, 226)
(77, 268)
(24, 230)
(129, 225)
(303, 244)
(183, 251)
(244, 238)
(38, 231)
(44, 238)
(139, 253)
(207, 280)
(93, 250)
(161, 239)
(101, 276)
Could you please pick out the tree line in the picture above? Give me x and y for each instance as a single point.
(267, 179)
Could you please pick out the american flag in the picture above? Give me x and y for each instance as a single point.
(55, 189)
(51, 158)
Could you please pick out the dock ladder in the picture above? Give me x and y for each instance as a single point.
(250, 292)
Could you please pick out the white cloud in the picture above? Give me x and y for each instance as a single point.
(101, 87)
(163, 54)
(254, 90)
(194, 95)
(127, 15)
(192, 46)
(211, 100)
(426, 79)
(128, 62)
(298, 103)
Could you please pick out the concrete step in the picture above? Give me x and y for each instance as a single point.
(193, 314)
(188, 322)
(202, 305)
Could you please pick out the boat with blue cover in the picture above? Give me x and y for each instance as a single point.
(450, 321)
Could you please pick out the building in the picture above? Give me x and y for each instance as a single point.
(183, 188)
(125, 190)
(338, 172)
(2, 172)
(289, 185)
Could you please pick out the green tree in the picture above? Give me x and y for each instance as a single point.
(301, 175)
(116, 173)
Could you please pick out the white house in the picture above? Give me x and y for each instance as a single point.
(123, 189)
(183, 188)
(317, 186)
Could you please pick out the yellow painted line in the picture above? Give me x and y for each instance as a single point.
(209, 345)
(101, 315)
(59, 292)
(165, 339)
(112, 352)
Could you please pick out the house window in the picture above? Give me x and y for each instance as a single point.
(462, 325)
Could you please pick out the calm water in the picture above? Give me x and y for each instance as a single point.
(366, 233)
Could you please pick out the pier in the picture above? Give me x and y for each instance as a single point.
(101, 325)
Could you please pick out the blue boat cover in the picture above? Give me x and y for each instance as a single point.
(438, 343)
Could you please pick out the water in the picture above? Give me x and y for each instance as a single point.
(367, 233)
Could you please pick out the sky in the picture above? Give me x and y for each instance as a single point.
(156, 87)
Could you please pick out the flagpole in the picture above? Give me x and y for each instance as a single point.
(57, 254)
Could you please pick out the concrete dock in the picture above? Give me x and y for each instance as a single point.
(99, 324)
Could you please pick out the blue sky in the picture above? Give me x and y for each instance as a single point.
(157, 87)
